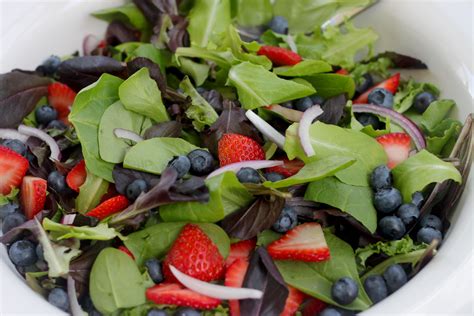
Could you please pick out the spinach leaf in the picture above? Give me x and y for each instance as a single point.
(200, 112)
(316, 278)
(90, 193)
(128, 14)
(19, 95)
(115, 282)
(153, 155)
(86, 112)
(262, 274)
(435, 113)
(307, 67)
(407, 92)
(140, 94)
(207, 19)
(257, 87)
(100, 232)
(253, 12)
(199, 72)
(331, 140)
(415, 173)
(155, 241)
(227, 195)
(111, 148)
(331, 85)
(354, 200)
(313, 171)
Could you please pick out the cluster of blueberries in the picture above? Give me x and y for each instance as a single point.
(398, 215)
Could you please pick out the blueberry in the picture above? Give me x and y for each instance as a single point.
(381, 97)
(330, 311)
(57, 182)
(181, 164)
(365, 83)
(422, 101)
(56, 124)
(408, 213)
(387, 200)
(395, 277)
(417, 198)
(367, 119)
(45, 114)
(156, 312)
(58, 297)
(344, 291)
(274, 176)
(22, 253)
(279, 24)
(381, 178)
(154, 270)
(8, 209)
(134, 189)
(376, 288)
(248, 175)
(11, 221)
(316, 99)
(287, 220)
(15, 145)
(288, 105)
(392, 228)
(186, 311)
(428, 234)
(50, 65)
(432, 221)
(202, 162)
(303, 104)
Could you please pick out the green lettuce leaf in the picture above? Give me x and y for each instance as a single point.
(199, 72)
(415, 173)
(407, 92)
(266, 237)
(224, 59)
(253, 12)
(331, 85)
(378, 67)
(128, 14)
(435, 113)
(257, 87)
(100, 232)
(440, 140)
(90, 193)
(307, 67)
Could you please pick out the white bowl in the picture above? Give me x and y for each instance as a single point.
(438, 32)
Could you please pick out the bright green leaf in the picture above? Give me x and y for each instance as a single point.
(307, 67)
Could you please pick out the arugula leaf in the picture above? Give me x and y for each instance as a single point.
(227, 195)
(153, 155)
(127, 13)
(316, 278)
(403, 99)
(306, 67)
(415, 173)
(100, 232)
(257, 87)
(331, 85)
(115, 282)
(206, 19)
(313, 171)
(354, 200)
(140, 94)
(90, 193)
(200, 112)
(253, 12)
(331, 140)
(199, 72)
(86, 112)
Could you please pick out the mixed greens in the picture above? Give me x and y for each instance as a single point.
(226, 157)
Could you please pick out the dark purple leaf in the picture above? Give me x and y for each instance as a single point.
(164, 129)
(214, 98)
(262, 274)
(231, 120)
(333, 109)
(248, 222)
(79, 72)
(118, 33)
(31, 226)
(84, 220)
(154, 69)
(178, 35)
(153, 9)
(123, 177)
(402, 61)
(19, 94)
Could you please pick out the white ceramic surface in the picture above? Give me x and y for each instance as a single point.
(438, 32)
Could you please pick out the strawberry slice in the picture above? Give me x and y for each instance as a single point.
(240, 250)
(61, 97)
(234, 277)
(194, 254)
(289, 167)
(397, 146)
(33, 195)
(293, 302)
(109, 207)
(77, 176)
(125, 250)
(280, 56)
(391, 84)
(342, 71)
(313, 307)
(304, 242)
(235, 148)
(175, 294)
(13, 168)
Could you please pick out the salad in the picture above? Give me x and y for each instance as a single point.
(217, 157)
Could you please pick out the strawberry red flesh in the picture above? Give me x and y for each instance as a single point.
(235, 148)
(61, 97)
(293, 302)
(240, 250)
(13, 168)
(109, 207)
(77, 176)
(125, 250)
(289, 167)
(280, 56)
(391, 84)
(234, 277)
(175, 294)
(343, 72)
(397, 146)
(313, 307)
(305, 242)
(33, 195)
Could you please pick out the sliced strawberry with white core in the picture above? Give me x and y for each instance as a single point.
(13, 168)
(240, 250)
(293, 302)
(234, 277)
(397, 147)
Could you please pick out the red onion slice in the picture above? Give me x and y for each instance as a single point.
(255, 164)
(90, 43)
(404, 122)
(303, 129)
(126, 134)
(53, 146)
(266, 129)
(8, 133)
(289, 114)
(214, 290)
(68, 219)
(76, 309)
